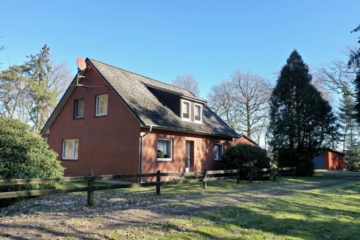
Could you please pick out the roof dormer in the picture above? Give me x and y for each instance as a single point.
(191, 111)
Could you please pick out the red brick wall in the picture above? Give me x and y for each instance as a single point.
(203, 151)
(107, 144)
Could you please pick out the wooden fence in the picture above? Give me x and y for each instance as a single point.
(204, 177)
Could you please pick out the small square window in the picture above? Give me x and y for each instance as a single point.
(79, 108)
(70, 149)
(101, 105)
(164, 150)
(197, 113)
(185, 110)
(218, 151)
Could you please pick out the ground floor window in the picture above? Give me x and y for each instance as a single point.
(164, 149)
(218, 151)
(70, 149)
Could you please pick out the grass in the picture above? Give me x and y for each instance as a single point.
(333, 213)
(326, 213)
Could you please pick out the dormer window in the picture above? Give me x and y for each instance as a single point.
(191, 111)
(197, 113)
(185, 110)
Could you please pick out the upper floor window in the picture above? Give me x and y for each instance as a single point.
(164, 152)
(70, 149)
(197, 113)
(185, 110)
(101, 105)
(79, 108)
(218, 151)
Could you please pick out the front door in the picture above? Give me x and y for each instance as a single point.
(189, 156)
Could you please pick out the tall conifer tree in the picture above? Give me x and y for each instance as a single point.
(302, 123)
(348, 124)
(43, 97)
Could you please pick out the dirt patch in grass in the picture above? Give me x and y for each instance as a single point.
(139, 213)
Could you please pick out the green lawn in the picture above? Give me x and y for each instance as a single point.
(333, 213)
(324, 213)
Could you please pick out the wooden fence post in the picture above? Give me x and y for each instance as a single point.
(238, 176)
(294, 172)
(274, 172)
(158, 182)
(90, 200)
(204, 180)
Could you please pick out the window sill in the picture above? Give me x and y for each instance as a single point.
(78, 117)
(71, 159)
(164, 159)
(217, 159)
(186, 119)
(100, 115)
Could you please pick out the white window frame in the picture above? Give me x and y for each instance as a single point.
(97, 105)
(201, 112)
(75, 154)
(182, 110)
(171, 153)
(222, 151)
(76, 108)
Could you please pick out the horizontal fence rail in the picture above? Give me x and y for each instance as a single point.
(203, 177)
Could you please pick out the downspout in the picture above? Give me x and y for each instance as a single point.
(141, 151)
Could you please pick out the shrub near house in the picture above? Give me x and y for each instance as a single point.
(245, 156)
(24, 155)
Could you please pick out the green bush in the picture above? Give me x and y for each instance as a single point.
(25, 155)
(353, 159)
(245, 156)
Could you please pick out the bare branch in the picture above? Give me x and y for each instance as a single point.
(187, 82)
(242, 102)
(337, 76)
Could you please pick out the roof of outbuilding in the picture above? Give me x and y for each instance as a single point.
(133, 89)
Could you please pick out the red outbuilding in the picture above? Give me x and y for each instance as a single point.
(331, 159)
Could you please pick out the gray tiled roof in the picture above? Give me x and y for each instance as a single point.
(132, 89)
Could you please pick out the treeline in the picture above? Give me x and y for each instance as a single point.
(295, 117)
(30, 91)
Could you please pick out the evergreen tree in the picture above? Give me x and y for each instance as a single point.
(348, 124)
(14, 85)
(355, 60)
(44, 98)
(353, 158)
(302, 123)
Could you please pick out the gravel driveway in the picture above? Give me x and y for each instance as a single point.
(66, 216)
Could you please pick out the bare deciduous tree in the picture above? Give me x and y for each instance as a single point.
(222, 99)
(319, 85)
(253, 93)
(242, 103)
(337, 76)
(187, 82)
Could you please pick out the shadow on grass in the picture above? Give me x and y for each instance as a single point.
(270, 217)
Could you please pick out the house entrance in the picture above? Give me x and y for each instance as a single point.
(189, 156)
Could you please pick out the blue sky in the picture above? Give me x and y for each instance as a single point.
(163, 39)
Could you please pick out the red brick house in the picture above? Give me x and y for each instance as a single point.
(113, 121)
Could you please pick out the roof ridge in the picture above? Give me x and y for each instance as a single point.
(91, 59)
